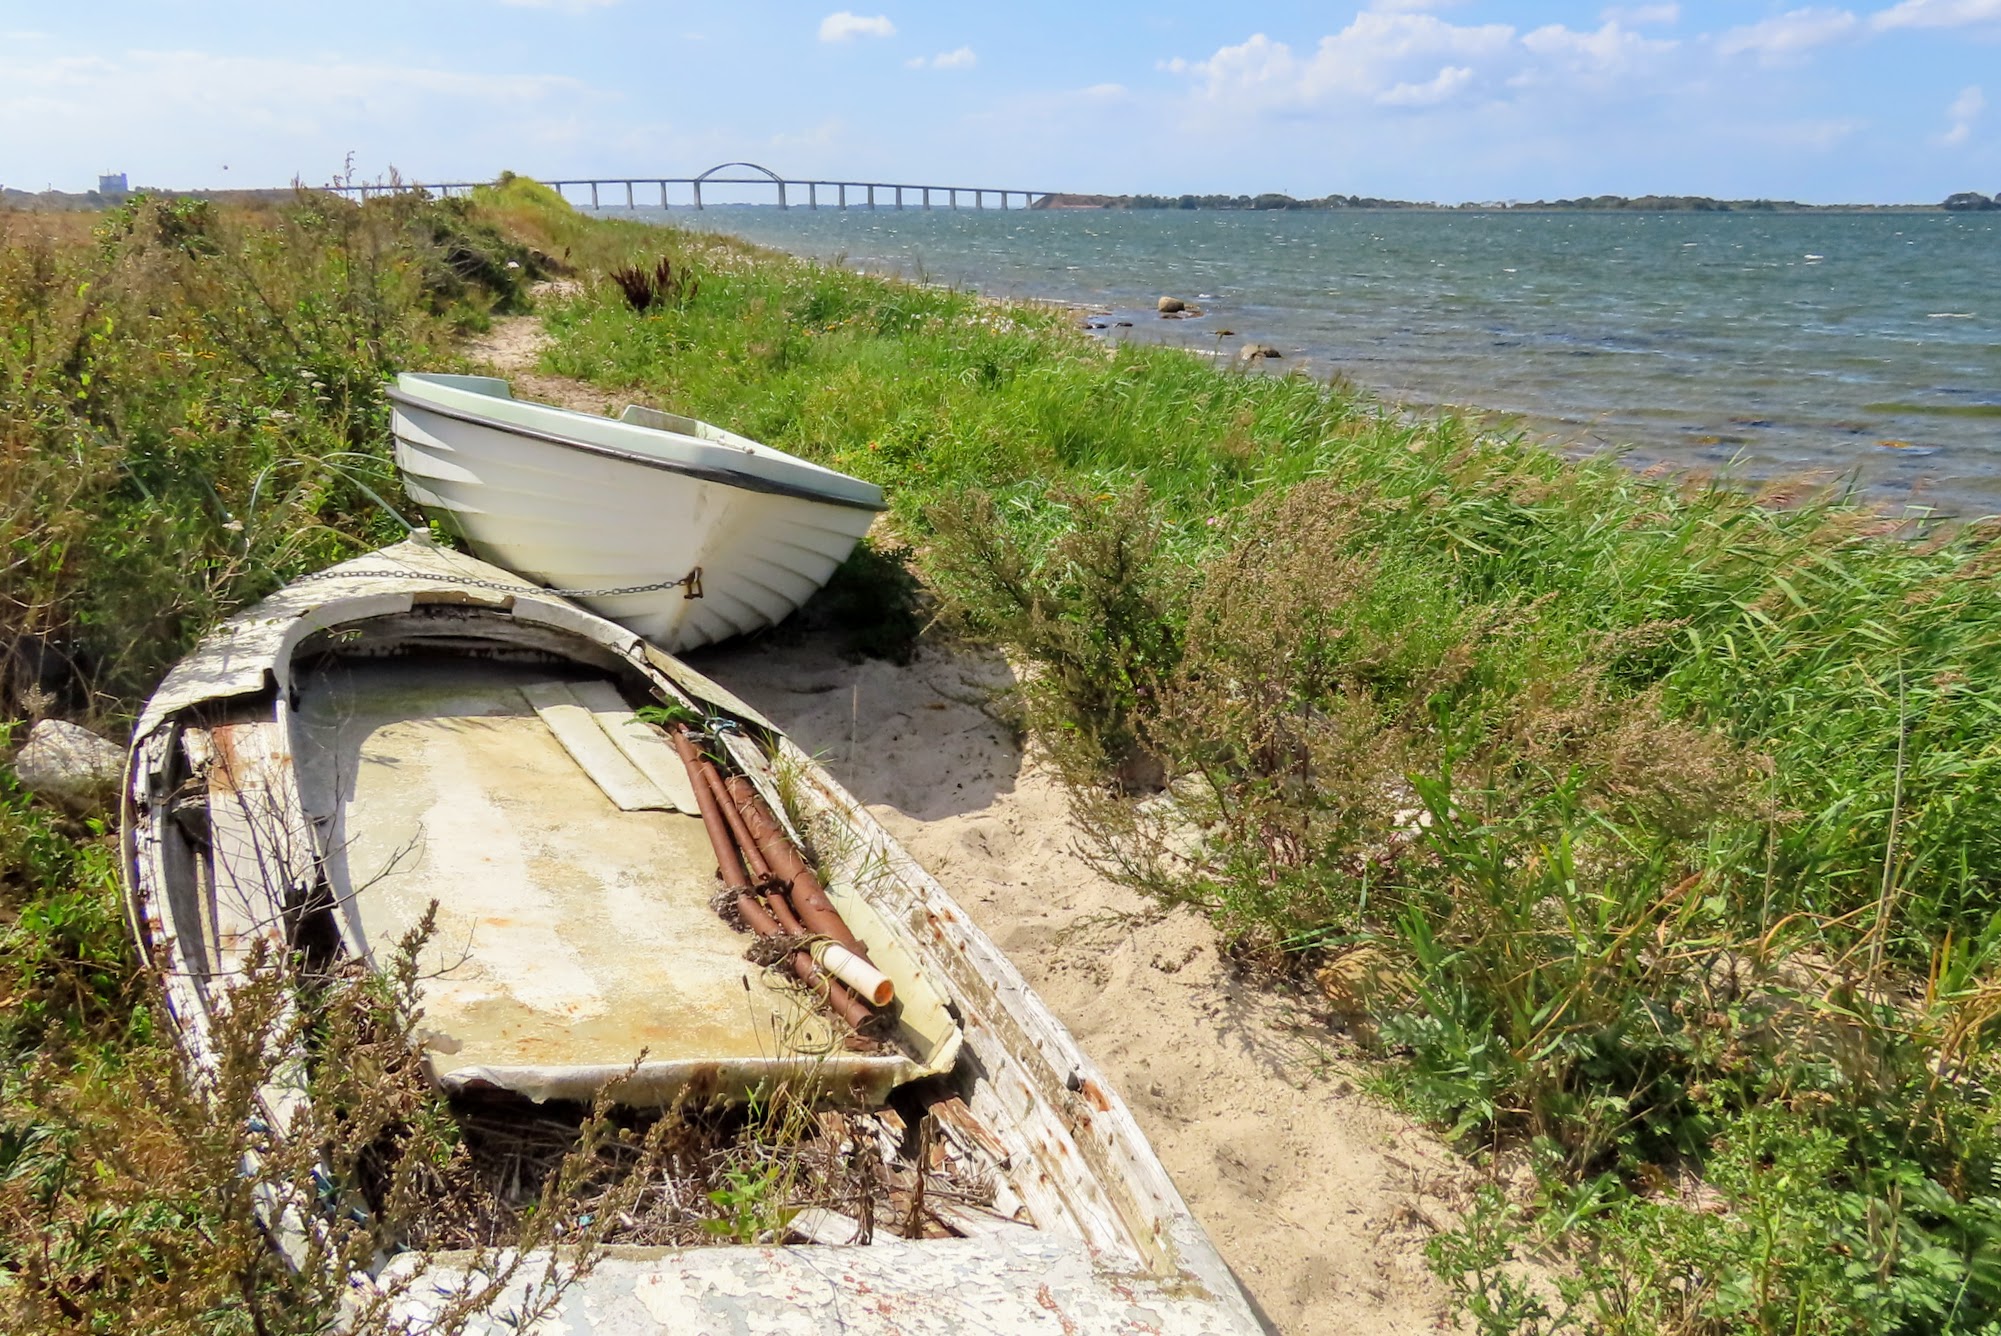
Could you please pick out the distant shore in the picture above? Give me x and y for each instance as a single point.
(85, 201)
(1964, 201)
(1590, 204)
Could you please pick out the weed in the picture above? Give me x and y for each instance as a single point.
(662, 285)
(1661, 809)
(1672, 820)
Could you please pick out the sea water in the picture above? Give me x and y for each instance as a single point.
(1820, 345)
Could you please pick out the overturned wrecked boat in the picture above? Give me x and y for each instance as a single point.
(416, 728)
(676, 529)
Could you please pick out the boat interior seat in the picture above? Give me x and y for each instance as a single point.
(573, 922)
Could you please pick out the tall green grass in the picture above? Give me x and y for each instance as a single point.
(191, 412)
(1661, 816)
(1654, 827)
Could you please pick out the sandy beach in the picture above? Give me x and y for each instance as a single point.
(1318, 1197)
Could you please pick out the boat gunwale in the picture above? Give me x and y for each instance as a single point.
(748, 482)
(1064, 1119)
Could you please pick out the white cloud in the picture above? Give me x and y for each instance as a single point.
(1963, 112)
(1376, 55)
(1938, 14)
(1610, 50)
(1410, 59)
(845, 27)
(960, 59)
(176, 116)
(1439, 88)
(1788, 37)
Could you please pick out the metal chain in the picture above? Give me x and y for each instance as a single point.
(691, 583)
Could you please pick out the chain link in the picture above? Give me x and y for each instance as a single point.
(691, 583)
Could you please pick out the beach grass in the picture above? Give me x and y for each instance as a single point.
(1646, 828)
(191, 413)
(1659, 816)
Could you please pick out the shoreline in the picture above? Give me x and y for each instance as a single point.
(1640, 835)
(1558, 436)
(1912, 449)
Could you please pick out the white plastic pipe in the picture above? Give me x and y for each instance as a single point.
(868, 981)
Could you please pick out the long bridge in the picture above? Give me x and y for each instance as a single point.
(868, 194)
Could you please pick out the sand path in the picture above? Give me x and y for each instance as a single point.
(1318, 1196)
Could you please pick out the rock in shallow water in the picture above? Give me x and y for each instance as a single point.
(70, 766)
(1251, 352)
(1169, 305)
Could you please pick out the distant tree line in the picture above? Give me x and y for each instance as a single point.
(1264, 201)
(1639, 203)
(1966, 200)
(1668, 204)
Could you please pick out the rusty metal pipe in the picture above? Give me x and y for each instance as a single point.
(753, 857)
(809, 898)
(805, 968)
(803, 965)
(730, 865)
(781, 909)
(756, 917)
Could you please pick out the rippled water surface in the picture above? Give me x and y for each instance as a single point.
(1820, 343)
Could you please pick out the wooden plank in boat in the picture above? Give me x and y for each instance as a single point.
(588, 744)
(969, 1221)
(969, 1132)
(650, 753)
(816, 1224)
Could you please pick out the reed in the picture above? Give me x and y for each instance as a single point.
(1657, 820)
(1659, 810)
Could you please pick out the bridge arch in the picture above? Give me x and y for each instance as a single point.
(776, 179)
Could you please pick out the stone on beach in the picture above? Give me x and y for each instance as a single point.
(1170, 305)
(1251, 352)
(70, 766)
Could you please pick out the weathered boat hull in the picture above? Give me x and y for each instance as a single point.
(1102, 1241)
(580, 502)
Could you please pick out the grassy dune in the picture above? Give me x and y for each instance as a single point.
(1648, 831)
(1653, 826)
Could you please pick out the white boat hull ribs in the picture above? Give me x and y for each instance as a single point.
(575, 501)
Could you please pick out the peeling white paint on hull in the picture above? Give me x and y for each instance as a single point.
(1031, 1285)
(1095, 1238)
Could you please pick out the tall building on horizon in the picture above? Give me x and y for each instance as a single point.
(112, 183)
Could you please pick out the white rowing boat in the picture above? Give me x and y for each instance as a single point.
(418, 726)
(710, 534)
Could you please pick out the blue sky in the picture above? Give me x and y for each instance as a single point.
(1885, 100)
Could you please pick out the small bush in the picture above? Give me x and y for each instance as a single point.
(662, 285)
(1093, 602)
